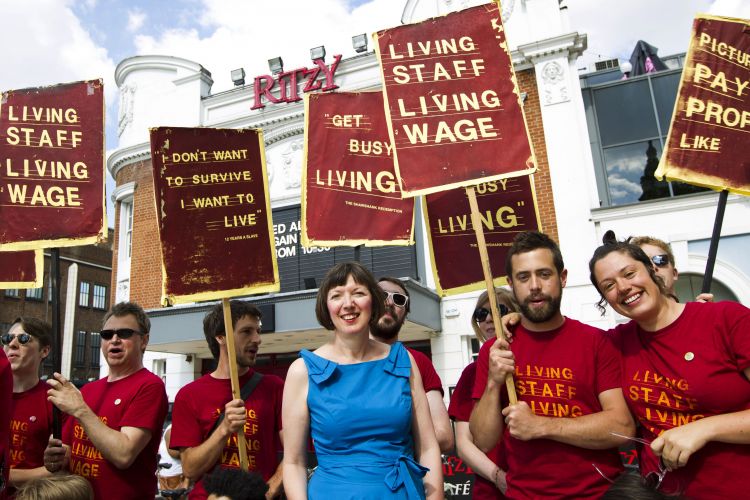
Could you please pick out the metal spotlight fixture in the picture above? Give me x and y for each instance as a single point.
(238, 76)
(276, 65)
(359, 42)
(318, 53)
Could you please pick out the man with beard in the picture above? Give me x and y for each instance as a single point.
(397, 306)
(561, 438)
(206, 419)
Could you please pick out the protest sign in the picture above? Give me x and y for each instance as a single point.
(452, 102)
(24, 269)
(52, 166)
(506, 207)
(214, 213)
(709, 137)
(350, 195)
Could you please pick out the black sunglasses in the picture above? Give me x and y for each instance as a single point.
(23, 338)
(122, 333)
(660, 260)
(398, 299)
(482, 313)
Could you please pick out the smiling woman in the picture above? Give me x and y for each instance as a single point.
(362, 401)
(685, 371)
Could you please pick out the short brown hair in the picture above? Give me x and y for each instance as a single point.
(337, 276)
(639, 241)
(125, 308)
(58, 487)
(213, 322)
(37, 328)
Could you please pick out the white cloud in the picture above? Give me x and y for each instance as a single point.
(620, 188)
(238, 39)
(731, 8)
(136, 18)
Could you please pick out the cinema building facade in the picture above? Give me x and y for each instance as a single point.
(584, 166)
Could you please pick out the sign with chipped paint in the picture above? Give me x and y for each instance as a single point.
(24, 269)
(709, 138)
(348, 169)
(52, 166)
(506, 207)
(214, 214)
(452, 102)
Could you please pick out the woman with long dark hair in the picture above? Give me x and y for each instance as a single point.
(686, 377)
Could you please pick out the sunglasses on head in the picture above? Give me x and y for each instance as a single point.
(23, 338)
(398, 299)
(660, 260)
(122, 333)
(482, 313)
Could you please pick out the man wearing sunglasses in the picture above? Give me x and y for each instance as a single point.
(27, 344)
(112, 435)
(206, 419)
(567, 378)
(660, 253)
(388, 327)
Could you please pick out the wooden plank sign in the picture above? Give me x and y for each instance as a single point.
(709, 137)
(214, 213)
(52, 166)
(452, 102)
(23, 269)
(505, 207)
(348, 170)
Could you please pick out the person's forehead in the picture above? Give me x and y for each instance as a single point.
(539, 258)
(247, 321)
(652, 250)
(17, 328)
(127, 321)
(389, 286)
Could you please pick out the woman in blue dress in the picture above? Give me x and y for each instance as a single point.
(363, 403)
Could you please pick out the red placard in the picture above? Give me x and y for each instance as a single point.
(23, 269)
(507, 207)
(52, 166)
(709, 137)
(452, 102)
(214, 213)
(349, 170)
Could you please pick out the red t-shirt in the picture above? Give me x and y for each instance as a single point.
(30, 427)
(687, 371)
(199, 404)
(459, 409)
(430, 379)
(6, 410)
(559, 373)
(138, 400)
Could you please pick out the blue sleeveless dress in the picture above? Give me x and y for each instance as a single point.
(360, 421)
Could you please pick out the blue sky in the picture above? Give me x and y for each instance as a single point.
(53, 41)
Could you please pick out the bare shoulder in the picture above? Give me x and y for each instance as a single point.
(297, 371)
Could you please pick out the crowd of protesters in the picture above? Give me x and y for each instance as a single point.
(674, 380)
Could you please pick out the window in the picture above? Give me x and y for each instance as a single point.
(127, 208)
(83, 294)
(474, 348)
(35, 293)
(94, 346)
(160, 368)
(627, 140)
(80, 357)
(100, 297)
(12, 292)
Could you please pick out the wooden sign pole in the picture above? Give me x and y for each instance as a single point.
(491, 295)
(232, 354)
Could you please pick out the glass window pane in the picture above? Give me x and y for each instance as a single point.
(83, 295)
(12, 292)
(80, 357)
(625, 112)
(630, 173)
(35, 293)
(100, 297)
(95, 346)
(665, 94)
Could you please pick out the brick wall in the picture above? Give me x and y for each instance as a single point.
(542, 183)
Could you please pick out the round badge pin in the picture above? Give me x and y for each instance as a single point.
(118, 401)
(689, 356)
(32, 418)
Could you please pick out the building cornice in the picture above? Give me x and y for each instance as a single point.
(661, 206)
(159, 62)
(571, 45)
(123, 191)
(121, 158)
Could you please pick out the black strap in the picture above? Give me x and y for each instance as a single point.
(245, 393)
